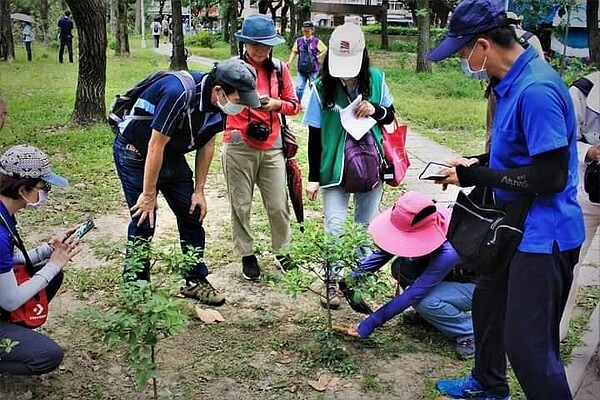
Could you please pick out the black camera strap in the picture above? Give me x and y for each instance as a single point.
(18, 242)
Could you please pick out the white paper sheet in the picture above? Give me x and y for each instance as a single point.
(356, 127)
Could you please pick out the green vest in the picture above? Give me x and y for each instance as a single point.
(333, 135)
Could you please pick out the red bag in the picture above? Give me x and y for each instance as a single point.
(394, 148)
(34, 312)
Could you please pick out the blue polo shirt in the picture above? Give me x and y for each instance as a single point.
(165, 102)
(7, 247)
(535, 115)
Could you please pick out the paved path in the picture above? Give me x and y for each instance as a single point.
(581, 372)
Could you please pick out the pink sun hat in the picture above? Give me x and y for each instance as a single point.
(413, 227)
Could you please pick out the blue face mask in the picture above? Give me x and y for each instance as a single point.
(466, 67)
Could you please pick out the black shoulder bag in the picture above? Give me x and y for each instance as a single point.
(484, 235)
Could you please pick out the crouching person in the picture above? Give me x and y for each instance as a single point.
(25, 290)
(414, 229)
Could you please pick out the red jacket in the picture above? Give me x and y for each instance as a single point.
(290, 106)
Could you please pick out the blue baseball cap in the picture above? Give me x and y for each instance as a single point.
(470, 18)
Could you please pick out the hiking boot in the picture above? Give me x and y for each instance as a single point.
(250, 268)
(330, 291)
(360, 306)
(285, 263)
(204, 292)
(465, 349)
(465, 388)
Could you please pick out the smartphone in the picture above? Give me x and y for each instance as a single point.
(83, 228)
(434, 171)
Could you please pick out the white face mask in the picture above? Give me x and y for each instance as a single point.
(42, 198)
(466, 67)
(230, 108)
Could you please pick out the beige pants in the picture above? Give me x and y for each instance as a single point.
(245, 167)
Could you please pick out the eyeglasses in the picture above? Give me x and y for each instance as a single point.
(47, 187)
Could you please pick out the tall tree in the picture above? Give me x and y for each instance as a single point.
(138, 16)
(90, 19)
(44, 10)
(178, 60)
(423, 43)
(121, 33)
(7, 47)
(593, 31)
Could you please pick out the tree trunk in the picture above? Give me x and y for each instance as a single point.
(232, 27)
(593, 32)
(113, 16)
(121, 35)
(178, 61)
(7, 47)
(424, 23)
(385, 43)
(44, 9)
(293, 21)
(138, 16)
(90, 19)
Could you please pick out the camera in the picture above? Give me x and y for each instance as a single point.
(591, 181)
(258, 131)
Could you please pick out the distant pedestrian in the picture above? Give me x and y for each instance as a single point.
(310, 51)
(3, 112)
(156, 26)
(65, 25)
(27, 39)
(165, 28)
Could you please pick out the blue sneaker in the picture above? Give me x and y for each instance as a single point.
(465, 388)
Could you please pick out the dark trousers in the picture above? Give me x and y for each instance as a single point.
(35, 354)
(68, 43)
(156, 41)
(175, 182)
(518, 316)
(28, 50)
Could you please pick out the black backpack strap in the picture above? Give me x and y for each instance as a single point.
(278, 64)
(584, 85)
(19, 243)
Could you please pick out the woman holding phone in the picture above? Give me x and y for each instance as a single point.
(25, 182)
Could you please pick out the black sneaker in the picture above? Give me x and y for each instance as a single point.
(285, 263)
(250, 268)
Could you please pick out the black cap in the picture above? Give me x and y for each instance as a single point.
(308, 24)
(241, 76)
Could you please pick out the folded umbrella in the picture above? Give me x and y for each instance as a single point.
(294, 175)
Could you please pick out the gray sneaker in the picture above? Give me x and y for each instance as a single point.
(330, 291)
(466, 349)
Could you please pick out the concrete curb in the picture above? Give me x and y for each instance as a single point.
(581, 355)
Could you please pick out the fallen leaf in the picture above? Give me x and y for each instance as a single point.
(317, 386)
(208, 316)
(323, 383)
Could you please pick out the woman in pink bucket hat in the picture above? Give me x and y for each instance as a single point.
(414, 230)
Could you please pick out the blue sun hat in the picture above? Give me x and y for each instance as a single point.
(470, 18)
(259, 29)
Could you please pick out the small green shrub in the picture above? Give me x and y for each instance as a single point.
(202, 39)
(403, 46)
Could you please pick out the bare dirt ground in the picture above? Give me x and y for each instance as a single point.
(270, 346)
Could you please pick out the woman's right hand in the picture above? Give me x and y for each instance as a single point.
(64, 252)
(312, 190)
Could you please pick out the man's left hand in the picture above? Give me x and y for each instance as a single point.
(198, 200)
